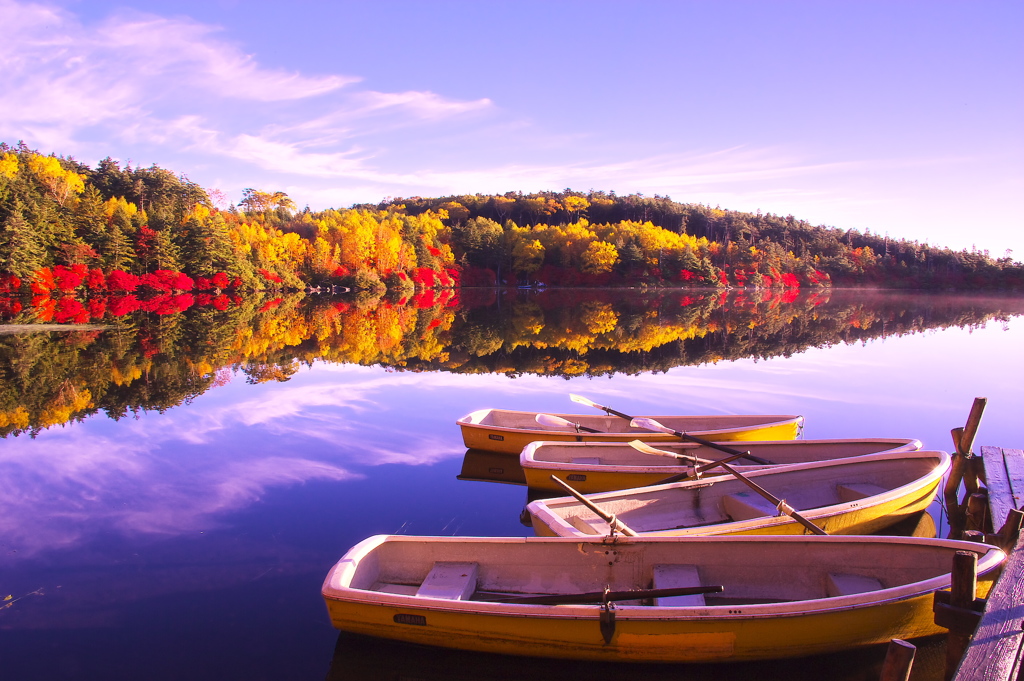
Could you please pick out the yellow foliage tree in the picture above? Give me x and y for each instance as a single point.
(600, 257)
(60, 183)
(8, 165)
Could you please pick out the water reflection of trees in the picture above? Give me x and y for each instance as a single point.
(154, 362)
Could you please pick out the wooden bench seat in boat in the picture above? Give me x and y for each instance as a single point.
(838, 584)
(747, 506)
(592, 525)
(675, 577)
(856, 491)
(587, 460)
(455, 581)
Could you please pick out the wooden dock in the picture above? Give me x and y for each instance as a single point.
(995, 649)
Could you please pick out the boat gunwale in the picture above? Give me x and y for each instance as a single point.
(778, 420)
(540, 508)
(528, 458)
(989, 559)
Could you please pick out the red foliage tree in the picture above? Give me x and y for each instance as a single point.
(9, 283)
(121, 281)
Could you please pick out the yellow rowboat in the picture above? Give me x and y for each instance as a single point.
(764, 597)
(604, 466)
(859, 495)
(502, 430)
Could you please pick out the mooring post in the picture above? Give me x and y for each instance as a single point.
(977, 512)
(898, 661)
(962, 469)
(966, 443)
(971, 429)
(964, 587)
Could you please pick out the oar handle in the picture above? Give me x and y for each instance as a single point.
(604, 515)
(601, 596)
(779, 503)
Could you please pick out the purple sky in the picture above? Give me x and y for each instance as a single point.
(895, 117)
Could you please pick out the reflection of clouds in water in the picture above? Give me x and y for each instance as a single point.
(64, 487)
(177, 472)
(233, 485)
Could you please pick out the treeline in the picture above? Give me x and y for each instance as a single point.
(71, 231)
(742, 249)
(149, 361)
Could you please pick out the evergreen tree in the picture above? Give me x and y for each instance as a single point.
(117, 252)
(21, 252)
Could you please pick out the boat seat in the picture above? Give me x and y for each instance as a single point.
(402, 589)
(454, 581)
(675, 577)
(838, 584)
(591, 525)
(747, 506)
(855, 491)
(586, 460)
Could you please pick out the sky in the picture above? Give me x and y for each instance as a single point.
(902, 118)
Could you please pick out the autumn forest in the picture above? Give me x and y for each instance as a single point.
(82, 244)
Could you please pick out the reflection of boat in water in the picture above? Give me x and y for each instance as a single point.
(760, 597)
(482, 466)
(364, 658)
(503, 430)
(605, 466)
(848, 496)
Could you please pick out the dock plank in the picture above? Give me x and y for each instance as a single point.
(1014, 460)
(994, 652)
(999, 483)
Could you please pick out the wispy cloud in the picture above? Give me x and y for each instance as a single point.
(147, 78)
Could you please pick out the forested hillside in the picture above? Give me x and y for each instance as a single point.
(71, 231)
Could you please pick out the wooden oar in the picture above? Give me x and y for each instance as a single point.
(602, 596)
(613, 522)
(590, 403)
(651, 424)
(780, 504)
(642, 446)
(558, 422)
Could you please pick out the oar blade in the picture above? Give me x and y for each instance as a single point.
(579, 399)
(553, 421)
(650, 424)
(642, 446)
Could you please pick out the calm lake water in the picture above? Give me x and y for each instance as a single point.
(189, 537)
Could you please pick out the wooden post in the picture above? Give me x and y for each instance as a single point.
(956, 471)
(1009, 533)
(971, 429)
(898, 661)
(965, 443)
(964, 587)
(951, 492)
(957, 433)
(977, 512)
